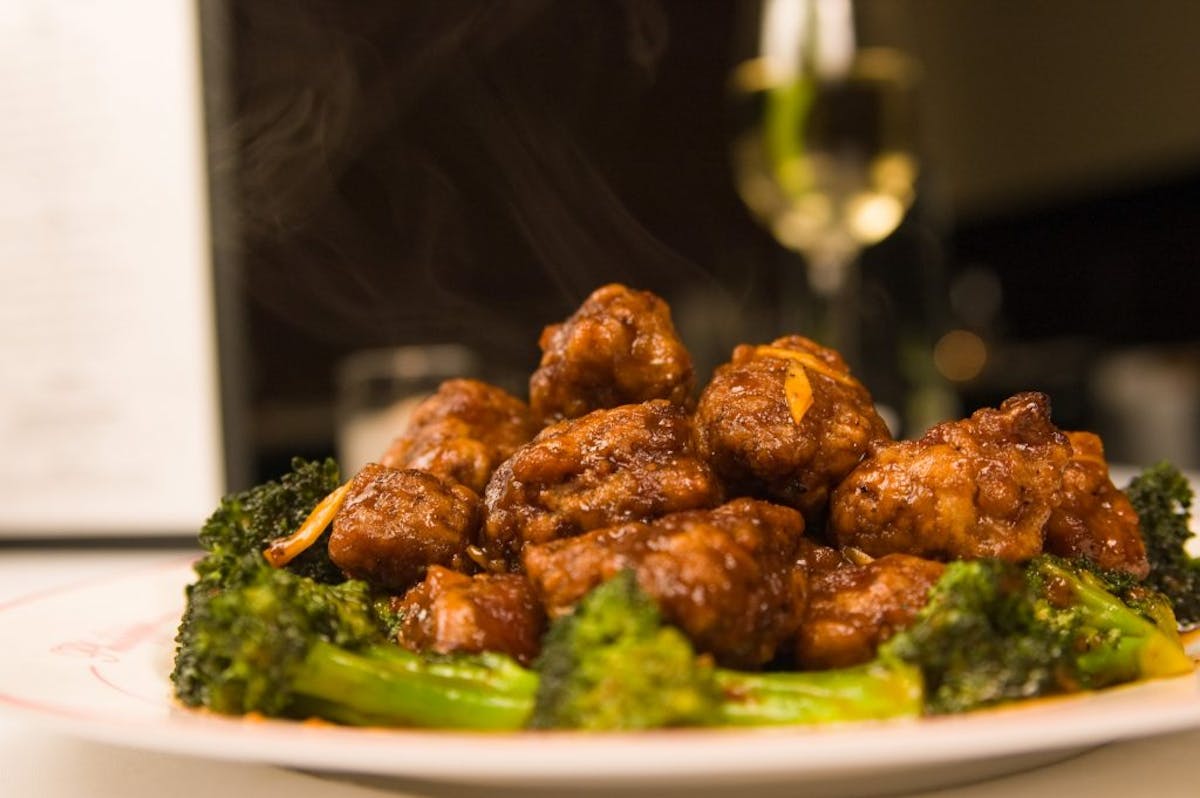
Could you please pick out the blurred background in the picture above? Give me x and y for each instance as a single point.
(386, 177)
(463, 172)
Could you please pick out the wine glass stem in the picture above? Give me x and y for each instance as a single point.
(834, 278)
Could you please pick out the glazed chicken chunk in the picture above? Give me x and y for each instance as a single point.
(786, 422)
(630, 463)
(1095, 519)
(396, 522)
(852, 609)
(980, 487)
(724, 576)
(619, 347)
(463, 432)
(450, 611)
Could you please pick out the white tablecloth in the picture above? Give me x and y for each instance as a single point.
(37, 763)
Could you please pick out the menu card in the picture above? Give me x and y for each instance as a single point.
(109, 407)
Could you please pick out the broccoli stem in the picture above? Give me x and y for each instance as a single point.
(872, 691)
(390, 686)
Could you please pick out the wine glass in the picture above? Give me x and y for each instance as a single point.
(824, 150)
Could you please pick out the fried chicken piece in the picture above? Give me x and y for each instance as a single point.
(786, 422)
(979, 487)
(629, 463)
(724, 576)
(449, 611)
(1095, 519)
(463, 432)
(854, 608)
(618, 348)
(396, 522)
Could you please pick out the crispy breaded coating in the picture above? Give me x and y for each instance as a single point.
(786, 422)
(396, 522)
(724, 576)
(628, 463)
(618, 348)
(854, 608)
(463, 432)
(1095, 519)
(979, 487)
(449, 611)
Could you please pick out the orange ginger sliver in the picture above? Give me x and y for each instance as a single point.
(797, 390)
(808, 360)
(282, 551)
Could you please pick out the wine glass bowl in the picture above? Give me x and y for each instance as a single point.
(824, 153)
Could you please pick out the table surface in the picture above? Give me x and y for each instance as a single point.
(45, 764)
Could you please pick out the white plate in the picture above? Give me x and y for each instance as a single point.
(92, 660)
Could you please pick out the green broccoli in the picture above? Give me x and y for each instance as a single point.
(614, 664)
(1162, 498)
(877, 690)
(1136, 594)
(993, 631)
(284, 645)
(235, 535)
(236, 646)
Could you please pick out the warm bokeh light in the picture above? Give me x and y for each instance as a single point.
(960, 355)
(894, 173)
(872, 217)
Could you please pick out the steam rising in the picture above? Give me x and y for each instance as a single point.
(428, 170)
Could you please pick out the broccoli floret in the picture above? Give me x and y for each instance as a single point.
(1153, 605)
(284, 645)
(614, 664)
(993, 632)
(1162, 498)
(238, 647)
(235, 535)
